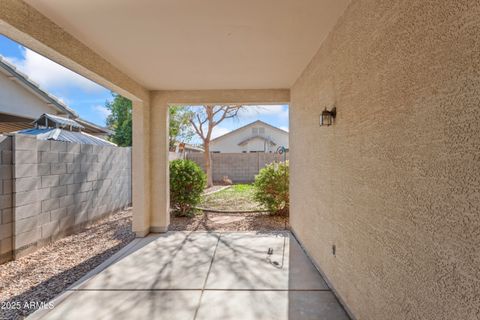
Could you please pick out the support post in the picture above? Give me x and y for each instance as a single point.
(160, 212)
(141, 178)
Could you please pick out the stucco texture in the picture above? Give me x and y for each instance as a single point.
(395, 182)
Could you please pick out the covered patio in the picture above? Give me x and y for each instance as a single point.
(385, 200)
(202, 275)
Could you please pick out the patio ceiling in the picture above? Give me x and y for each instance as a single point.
(197, 45)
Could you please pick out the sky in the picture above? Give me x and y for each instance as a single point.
(276, 115)
(88, 98)
(82, 95)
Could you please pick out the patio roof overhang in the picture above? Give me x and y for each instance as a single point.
(200, 45)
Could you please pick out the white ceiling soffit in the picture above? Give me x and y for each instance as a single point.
(201, 44)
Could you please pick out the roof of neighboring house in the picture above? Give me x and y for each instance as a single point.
(189, 146)
(50, 99)
(257, 137)
(93, 127)
(66, 136)
(10, 123)
(34, 87)
(248, 125)
(194, 148)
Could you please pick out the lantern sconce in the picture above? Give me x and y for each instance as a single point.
(327, 117)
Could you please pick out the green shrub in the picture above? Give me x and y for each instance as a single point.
(187, 182)
(271, 187)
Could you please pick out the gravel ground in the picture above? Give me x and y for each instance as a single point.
(42, 275)
(209, 221)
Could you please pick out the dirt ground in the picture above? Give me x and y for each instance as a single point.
(209, 221)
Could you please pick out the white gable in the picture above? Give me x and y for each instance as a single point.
(255, 137)
(16, 100)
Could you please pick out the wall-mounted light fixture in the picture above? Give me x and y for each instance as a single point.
(327, 117)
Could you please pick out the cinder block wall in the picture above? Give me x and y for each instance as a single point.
(6, 202)
(239, 167)
(60, 187)
(395, 182)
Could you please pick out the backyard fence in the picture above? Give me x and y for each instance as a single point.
(50, 189)
(174, 156)
(238, 167)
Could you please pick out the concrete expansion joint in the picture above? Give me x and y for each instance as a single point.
(206, 278)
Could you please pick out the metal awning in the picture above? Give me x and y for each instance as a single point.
(52, 121)
(66, 136)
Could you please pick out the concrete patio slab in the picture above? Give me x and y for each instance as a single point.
(314, 305)
(242, 262)
(175, 260)
(243, 305)
(202, 275)
(114, 305)
(302, 274)
(278, 305)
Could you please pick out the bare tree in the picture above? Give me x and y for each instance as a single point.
(204, 121)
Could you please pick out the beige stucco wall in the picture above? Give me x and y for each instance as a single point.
(394, 184)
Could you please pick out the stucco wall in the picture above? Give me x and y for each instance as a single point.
(395, 182)
(59, 187)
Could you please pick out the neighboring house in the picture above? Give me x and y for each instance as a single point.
(186, 147)
(22, 101)
(181, 150)
(257, 136)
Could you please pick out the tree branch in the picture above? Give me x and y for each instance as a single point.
(228, 112)
(197, 129)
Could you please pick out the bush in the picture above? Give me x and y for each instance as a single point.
(187, 182)
(271, 187)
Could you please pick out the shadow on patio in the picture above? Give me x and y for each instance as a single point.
(202, 275)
